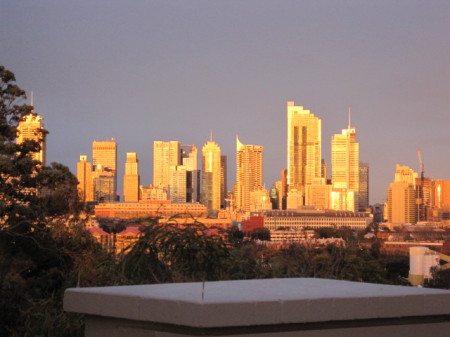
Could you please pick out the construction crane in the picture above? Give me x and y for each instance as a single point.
(421, 166)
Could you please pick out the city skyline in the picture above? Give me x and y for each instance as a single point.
(174, 70)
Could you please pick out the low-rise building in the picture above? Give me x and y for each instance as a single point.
(313, 219)
(149, 208)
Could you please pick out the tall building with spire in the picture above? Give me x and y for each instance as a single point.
(345, 169)
(249, 173)
(165, 155)
(104, 157)
(30, 127)
(304, 162)
(131, 179)
(211, 177)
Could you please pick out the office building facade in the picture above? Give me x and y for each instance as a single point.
(211, 177)
(131, 179)
(304, 162)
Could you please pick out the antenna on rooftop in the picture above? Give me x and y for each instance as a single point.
(32, 102)
(349, 117)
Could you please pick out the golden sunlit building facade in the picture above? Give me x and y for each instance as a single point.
(401, 199)
(131, 179)
(177, 183)
(154, 193)
(165, 155)
(30, 127)
(85, 180)
(345, 170)
(259, 200)
(104, 157)
(304, 162)
(211, 177)
(318, 195)
(440, 201)
(249, 173)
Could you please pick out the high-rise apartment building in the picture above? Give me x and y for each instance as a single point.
(131, 179)
(401, 201)
(304, 162)
(249, 173)
(165, 155)
(104, 157)
(31, 128)
(85, 180)
(189, 159)
(345, 170)
(211, 177)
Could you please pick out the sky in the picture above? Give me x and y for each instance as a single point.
(141, 71)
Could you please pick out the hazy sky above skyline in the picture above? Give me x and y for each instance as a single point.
(141, 71)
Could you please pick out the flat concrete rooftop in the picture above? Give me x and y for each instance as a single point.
(257, 302)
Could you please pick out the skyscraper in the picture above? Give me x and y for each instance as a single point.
(31, 128)
(189, 159)
(363, 195)
(401, 201)
(85, 182)
(104, 181)
(177, 183)
(131, 179)
(304, 152)
(165, 155)
(211, 177)
(104, 157)
(105, 154)
(223, 180)
(345, 170)
(249, 173)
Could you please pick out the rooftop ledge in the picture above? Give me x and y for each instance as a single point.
(258, 306)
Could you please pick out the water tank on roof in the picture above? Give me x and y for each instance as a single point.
(421, 260)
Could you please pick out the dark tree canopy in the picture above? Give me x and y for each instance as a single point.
(36, 204)
(29, 192)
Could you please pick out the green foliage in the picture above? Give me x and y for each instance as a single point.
(41, 249)
(176, 252)
(35, 269)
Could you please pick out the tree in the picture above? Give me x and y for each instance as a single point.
(261, 233)
(40, 248)
(176, 252)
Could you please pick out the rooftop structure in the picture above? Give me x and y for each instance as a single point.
(271, 307)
